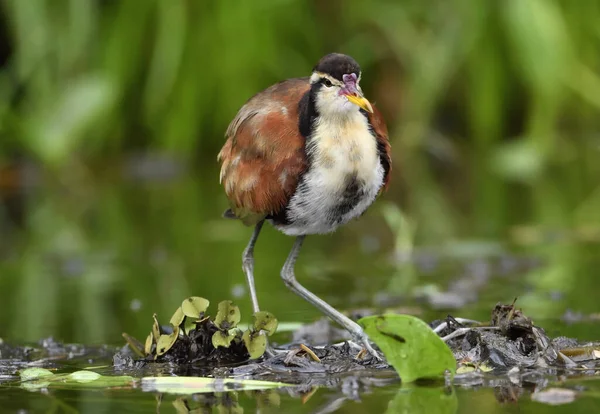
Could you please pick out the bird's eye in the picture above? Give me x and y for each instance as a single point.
(327, 83)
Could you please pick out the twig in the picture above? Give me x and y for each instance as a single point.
(464, 331)
(444, 325)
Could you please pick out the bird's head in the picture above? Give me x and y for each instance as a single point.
(335, 85)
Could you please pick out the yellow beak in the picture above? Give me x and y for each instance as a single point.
(361, 101)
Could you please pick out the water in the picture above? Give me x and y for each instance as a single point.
(366, 394)
(89, 257)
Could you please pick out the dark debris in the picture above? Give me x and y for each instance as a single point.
(512, 341)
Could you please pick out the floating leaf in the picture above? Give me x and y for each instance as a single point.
(165, 342)
(93, 379)
(228, 315)
(195, 385)
(265, 321)
(222, 338)
(84, 376)
(465, 369)
(410, 346)
(135, 345)
(35, 378)
(256, 343)
(29, 374)
(194, 306)
(178, 317)
(148, 344)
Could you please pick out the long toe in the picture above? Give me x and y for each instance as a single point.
(270, 352)
(363, 339)
(372, 350)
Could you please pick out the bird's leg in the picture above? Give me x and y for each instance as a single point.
(248, 267)
(287, 274)
(248, 264)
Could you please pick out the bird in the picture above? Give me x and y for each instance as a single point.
(306, 155)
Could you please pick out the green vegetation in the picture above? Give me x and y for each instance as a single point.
(38, 378)
(410, 346)
(112, 113)
(193, 336)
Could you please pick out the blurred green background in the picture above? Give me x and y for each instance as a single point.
(112, 113)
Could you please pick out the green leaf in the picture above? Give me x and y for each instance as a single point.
(265, 321)
(222, 338)
(464, 369)
(29, 374)
(256, 343)
(178, 317)
(84, 376)
(410, 346)
(194, 385)
(166, 342)
(194, 306)
(93, 379)
(148, 344)
(424, 400)
(135, 345)
(228, 315)
(156, 331)
(35, 378)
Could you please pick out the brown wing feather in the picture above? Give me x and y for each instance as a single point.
(264, 156)
(383, 144)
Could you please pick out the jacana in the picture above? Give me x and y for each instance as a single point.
(306, 155)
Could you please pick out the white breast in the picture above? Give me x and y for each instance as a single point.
(344, 177)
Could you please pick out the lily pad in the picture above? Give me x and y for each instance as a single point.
(29, 374)
(165, 342)
(194, 306)
(33, 378)
(222, 338)
(91, 378)
(228, 315)
(410, 346)
(194, 385)
(265, 321)
(256, 343)
(178, 317)
(84, 376)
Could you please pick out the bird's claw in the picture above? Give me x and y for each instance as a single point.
(270, 352)
(372, 351)
(363, 340)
